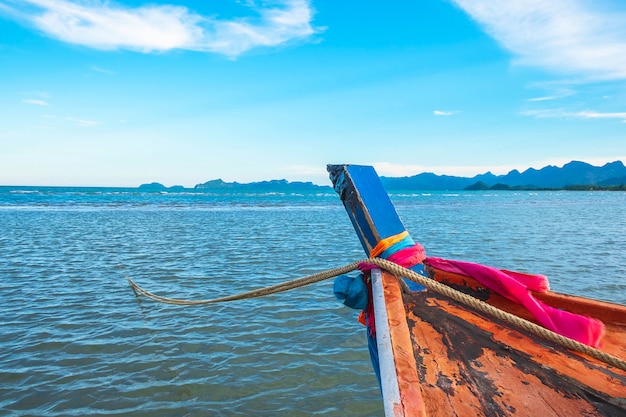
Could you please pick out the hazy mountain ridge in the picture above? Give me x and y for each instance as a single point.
(572, 173)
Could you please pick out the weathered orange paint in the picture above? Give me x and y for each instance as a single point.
(469, 364)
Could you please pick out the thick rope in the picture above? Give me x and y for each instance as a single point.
(399, 271)
(260, 292)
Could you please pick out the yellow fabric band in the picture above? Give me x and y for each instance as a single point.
(387, 242)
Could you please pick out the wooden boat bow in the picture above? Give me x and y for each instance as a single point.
(438, 357)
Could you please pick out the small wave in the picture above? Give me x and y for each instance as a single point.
(24, 192)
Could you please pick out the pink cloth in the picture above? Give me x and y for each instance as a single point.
(515, 286)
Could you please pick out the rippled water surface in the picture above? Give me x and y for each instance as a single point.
(75, 339)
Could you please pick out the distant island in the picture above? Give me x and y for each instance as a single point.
(574, 175)
(263, 186)
(269, 186)
(157, 187)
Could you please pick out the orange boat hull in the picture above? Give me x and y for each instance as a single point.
(467, 364)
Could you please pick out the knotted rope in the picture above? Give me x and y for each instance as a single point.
(400, 271)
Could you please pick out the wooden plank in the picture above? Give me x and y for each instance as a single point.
(388, 378)
(399, 380)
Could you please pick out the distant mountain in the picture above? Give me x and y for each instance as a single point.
(267, 186)
(573, 173)
(158, 187)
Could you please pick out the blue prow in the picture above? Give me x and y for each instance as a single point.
(368, 205)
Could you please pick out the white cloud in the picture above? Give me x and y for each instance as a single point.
(589, 114)
(585, 114)
(580, 37)
(87, 123)
(547, 98)
(35, 102)
(552, 90)
(443, 113)
(83, 123)
(156, 28)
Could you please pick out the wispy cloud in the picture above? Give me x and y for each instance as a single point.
(83, 122)
(555, 93)
(87, 123)
(585, 114)
(102, 70)
(543, 98)
(444, 113)
(105, 25)
(582, 38)
(35, 102)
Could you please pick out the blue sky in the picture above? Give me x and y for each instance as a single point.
(119, 93)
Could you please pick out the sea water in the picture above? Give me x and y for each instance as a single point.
(76, 340)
